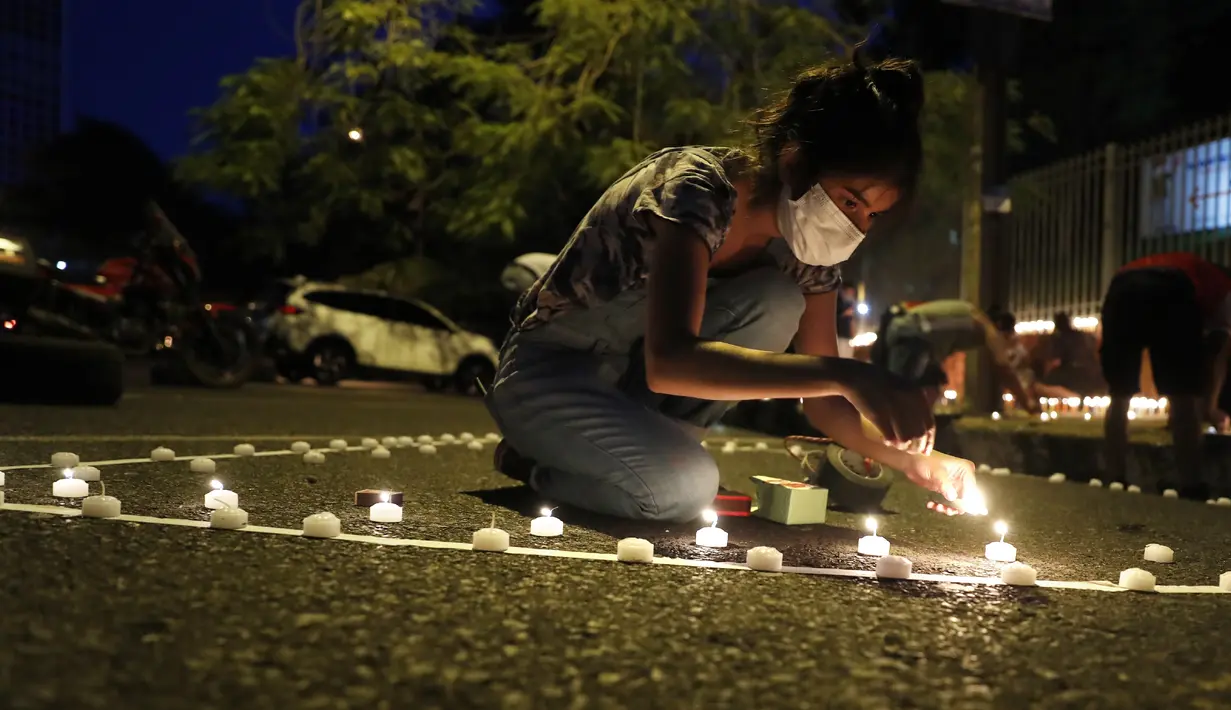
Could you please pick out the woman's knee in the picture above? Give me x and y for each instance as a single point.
(682, 490)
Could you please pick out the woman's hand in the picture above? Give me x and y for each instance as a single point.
(894, 406)
(950, 476)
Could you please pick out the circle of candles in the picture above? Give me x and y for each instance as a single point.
(1000, 551)
(764, 559)
(635, 550)
(427, 449)
(162, 453)
(87, 473)
(1115, 486)
(712, 536)
(245, 450)
(475, 445)
(369, 443)
(1137, 580)
(873, 545)
(300, 447)
(380, 452)
(228, 518)
(338, 445)
(1001, 471)
(1019, 575)
(425, 438)
(404, 441)
(1096, 483)
(1224, 579)
(202, 465)
(101, 506)
(1159, 553)
(1171, 493)
(384, 511)
(448, 438)
(465, 437)
(1056, 478)
(490, 539)
(760, 446)
(893, 567)
(314, 457)
(1131, 489)
(64, 459)
(220, 496)
(322, 525)
(492, 437)
(545, 525)
(69, 487)
(389, 442)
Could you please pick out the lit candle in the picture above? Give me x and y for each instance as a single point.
(384, 511)
(162, 453)
(635, 550)
(1019, 575)
(103, 506)
(995, 416)
(338, 445)
(1137, 580)
(300, 447)
(475, 445)
(389, 442)
(1159, 553)
(712, 536)
(228, 518)
(1000, 551)
(69, 487)
(64, 459)
(322, 525)
(380, 452)
(490, 539)
(465, 437)
(545, 525)
(873, 544)
(369, 443)
(202, 465)
(245, 450)
(220, 496)
(764, 559)
(893, 567)
(314, 457)
(87, 473)
(427, 449)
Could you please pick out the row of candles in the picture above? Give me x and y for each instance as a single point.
(1090, 407)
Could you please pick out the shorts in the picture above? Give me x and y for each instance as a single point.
(1152, 309)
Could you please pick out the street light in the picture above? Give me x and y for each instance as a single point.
(355, 134)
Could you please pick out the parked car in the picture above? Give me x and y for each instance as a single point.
(328, 332)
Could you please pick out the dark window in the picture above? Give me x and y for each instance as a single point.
(363, 303)
(407, 312)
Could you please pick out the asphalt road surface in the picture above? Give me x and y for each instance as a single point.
(111, 614)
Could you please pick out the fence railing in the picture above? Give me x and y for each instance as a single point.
(1074, 223)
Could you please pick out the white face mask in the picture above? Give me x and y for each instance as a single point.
(816, 229)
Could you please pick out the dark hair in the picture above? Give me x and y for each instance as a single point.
(858, 117)
(1004, 321)
(1062, 323)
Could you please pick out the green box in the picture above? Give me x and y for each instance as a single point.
(790, 502)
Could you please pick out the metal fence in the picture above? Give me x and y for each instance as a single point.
(1076, 222)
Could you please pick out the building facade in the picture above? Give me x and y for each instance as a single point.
(33, 77)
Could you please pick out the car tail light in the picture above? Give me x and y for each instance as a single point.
(290, 311)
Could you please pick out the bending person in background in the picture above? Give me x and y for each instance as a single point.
(682, 288)
(1070, 359)
(915, 340)
(1177, 306)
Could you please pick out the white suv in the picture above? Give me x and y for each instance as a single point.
(328, 332)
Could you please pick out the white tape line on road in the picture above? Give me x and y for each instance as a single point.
(606, 557)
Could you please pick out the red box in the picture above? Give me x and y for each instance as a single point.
(730, 504)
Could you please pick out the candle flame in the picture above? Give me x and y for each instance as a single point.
(68, 473)
(711, 517)
(216, 484)
(546, 512)
(871, 525)
(384, 497)
(1001, 529)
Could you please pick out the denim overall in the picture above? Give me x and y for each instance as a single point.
(571, 395)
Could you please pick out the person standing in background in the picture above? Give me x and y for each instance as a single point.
(847, 299)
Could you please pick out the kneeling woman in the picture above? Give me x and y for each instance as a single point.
(683, 286)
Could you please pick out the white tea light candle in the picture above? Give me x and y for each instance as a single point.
(389, 442)
(384, 511)
(712, 536)
(1224, 579)
(314, 457)
(1137, 580)
(87, 473)
(490, 539)
(1096, 483)
(1019, 575)
(301, 447)
(1115, 486)
(545, 525)
(1159, 553)
(162, 453)
(322, 525)
(761, 446)
(983, 468)
(244, 450)
(635, 550)
(893, 567)
(425, 438)
(475, 445)
(1002, 471)
(427, 449)
(873, 545)
(729, 447)
(447, 438)
(1057, 478)
(220, 497)
(64, 459)
(404, 441)
(369, 443)
(1131, 489)
(380, 452)
(492, 437)
(1000, 551)
(69, 487)
(338, 444)
(1224, 501)
(228, 518)
(764, 559)
(101, 506)
(465, 437)
(1171, 493)
(202, 465)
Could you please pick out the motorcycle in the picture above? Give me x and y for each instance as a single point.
(150, 303)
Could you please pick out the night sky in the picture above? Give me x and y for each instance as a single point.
(145, 63)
